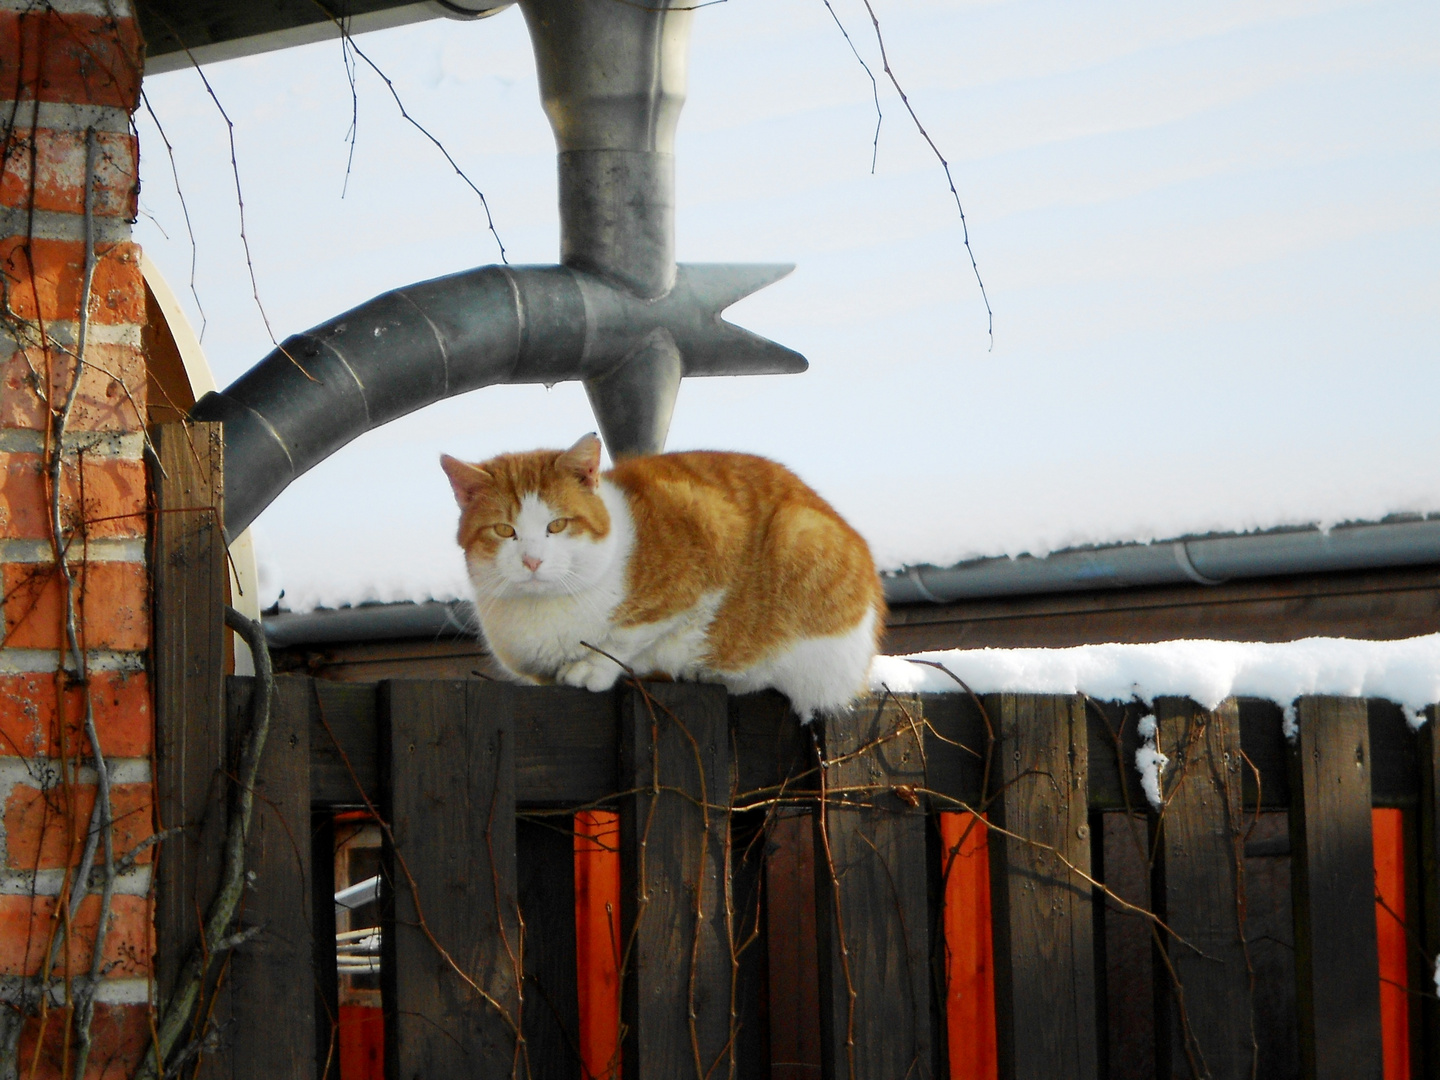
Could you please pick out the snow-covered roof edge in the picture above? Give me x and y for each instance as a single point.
(1406, 672)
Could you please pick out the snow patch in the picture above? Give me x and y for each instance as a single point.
(1150, 762)
(1406, 672)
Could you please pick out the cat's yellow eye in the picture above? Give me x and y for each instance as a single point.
(505, 531)
(558, 525)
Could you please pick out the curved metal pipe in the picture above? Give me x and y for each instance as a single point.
(618, 315)
(1207, 561)
(408, 348)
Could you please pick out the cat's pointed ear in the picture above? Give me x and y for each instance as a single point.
(465, 479)
(583, 459)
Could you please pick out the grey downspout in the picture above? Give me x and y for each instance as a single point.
(618, 315)
(612, 81)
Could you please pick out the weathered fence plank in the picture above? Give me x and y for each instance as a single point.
(957, 750)
(187, 560)
(1044, 932)
(344, 744)
(1428, 865)
(1336, 958)
(872, 893)
(271, 980)
(563, 761)
(1205, 1027)
(1394, 757)
(545, 855)
(1262, 739)
(790, 927)
(772, 748)
(677, 977)
(451, 939)
(1112, 729)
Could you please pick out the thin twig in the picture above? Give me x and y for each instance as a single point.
(184, 209)
(964, 225)
(389, 85)
(874, 86)
(180, 1007)
(239, 195)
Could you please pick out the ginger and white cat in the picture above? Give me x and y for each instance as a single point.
(711, 566)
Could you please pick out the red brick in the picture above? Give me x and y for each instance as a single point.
(41, 834)
(119, 1036)
(29, 726)
(114, 503)
(111, 396)
(59, 159)
(26, 925)
(112, 611)
(74, 59)
(43, 279)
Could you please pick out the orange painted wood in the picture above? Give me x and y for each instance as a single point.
(362, 1042)
(597, 940)
(969, 949)
(1389, 839)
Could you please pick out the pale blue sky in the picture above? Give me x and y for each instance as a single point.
(1211, 236)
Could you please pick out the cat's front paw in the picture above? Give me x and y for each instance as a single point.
(597, 674)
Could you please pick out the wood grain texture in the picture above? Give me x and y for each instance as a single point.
(790, 927)
(956, 751)
(1113, 732)
(772, 747)
(344, 744)
(1267, 766)
(566, 748)
(1044, 932)
(1394, 757)
(271, 979)
(677, 980)
(565, 744)
(1336, 957)
(872, 896)
(187, 560)
(1205, 1023)
(1126, 957)
(447, 773)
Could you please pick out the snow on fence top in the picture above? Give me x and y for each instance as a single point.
(1406, 672)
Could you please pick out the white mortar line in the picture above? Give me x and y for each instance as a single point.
(45, 661)
(38, 551)
(59, 116)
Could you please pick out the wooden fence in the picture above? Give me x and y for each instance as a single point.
(1236, 934)
(476, 782)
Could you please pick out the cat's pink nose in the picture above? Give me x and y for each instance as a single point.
(531, 563)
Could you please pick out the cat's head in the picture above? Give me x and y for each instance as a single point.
(532, 524)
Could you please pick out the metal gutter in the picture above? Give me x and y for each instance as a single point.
(373, 622)
(1208, 560)
(182, 33)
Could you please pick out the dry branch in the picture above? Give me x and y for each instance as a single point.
(218, 938)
